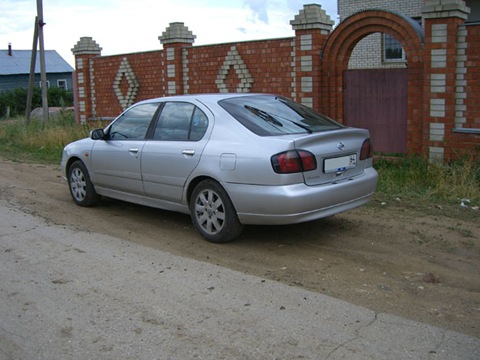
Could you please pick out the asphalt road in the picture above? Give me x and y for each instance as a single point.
(69, 294)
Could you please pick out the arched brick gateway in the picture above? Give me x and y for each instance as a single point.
(338, 49)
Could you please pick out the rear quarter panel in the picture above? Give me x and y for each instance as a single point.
(236, 155)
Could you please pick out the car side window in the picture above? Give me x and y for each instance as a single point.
(199, 125)
(133, 124)
(181, 121)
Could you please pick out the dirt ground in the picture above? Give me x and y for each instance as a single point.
(393, 257)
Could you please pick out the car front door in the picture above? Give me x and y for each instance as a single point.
(116, 160)
(174, 150)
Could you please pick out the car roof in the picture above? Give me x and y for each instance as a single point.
(206, 97)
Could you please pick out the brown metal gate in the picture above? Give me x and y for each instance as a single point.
(377, 100)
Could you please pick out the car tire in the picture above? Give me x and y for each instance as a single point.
(81, 188)
(213, 213)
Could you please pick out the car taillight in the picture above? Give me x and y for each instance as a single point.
(367, 150)
(293, 161)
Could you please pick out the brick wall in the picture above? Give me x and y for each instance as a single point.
(259, 66)
(451, 71)
(467, 89)
(124, 79)
(443, 114)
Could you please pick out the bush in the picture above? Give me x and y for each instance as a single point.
(59, 97)
(13, 103)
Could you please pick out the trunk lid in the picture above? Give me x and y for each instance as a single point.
(337, 153)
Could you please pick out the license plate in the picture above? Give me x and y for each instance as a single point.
(340, 163)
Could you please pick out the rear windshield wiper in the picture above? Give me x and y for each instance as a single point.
(271, 119)
(300, 125)
(263, 115)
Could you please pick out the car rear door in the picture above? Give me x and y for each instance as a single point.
(116, 160)
(173, 152)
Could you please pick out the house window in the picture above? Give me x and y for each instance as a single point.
(48, 84)
(392, 49)
(62, 84)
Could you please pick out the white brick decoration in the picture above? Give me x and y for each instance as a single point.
(435, 9)
(307, 101)
(312, 16)
(306, 63)
(186, 78)
(171, 70)
(235, 61)
(307, 84)
(437, 107)
(436, 154)
(125, 71)
(438, 83)
(294, 71)
(439, 58)
(86, 45)
(172, 88)
(177, 32)
(306, 42)
(460, 83)
(170, 54)
(439, 33)
(92, 89)
(437, 131)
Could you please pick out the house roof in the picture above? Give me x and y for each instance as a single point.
(19, 62)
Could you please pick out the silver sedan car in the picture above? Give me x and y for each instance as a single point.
(226, 159)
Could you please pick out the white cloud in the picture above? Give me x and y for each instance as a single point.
(259, 9)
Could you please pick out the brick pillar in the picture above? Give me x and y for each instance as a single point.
(312, 27)
(176, 40)
(443, 71)
(84, 51)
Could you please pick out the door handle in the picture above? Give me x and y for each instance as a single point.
(188, 152)
(133, 150)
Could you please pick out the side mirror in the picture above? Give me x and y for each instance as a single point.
(97, 134)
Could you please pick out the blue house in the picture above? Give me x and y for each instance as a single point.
(15, 69)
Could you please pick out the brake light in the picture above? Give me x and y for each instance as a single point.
(367, 150)
(293, 161)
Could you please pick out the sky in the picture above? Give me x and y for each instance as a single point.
(128, 26)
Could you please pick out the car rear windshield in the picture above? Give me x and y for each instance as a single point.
(267, 115)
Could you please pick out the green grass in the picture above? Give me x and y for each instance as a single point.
(418, 178)
(403, 180)
(39, 141)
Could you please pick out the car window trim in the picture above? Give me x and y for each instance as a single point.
(155, 119)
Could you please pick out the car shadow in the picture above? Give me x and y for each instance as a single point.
(321, 232)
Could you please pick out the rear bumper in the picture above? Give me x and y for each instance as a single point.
(277, 205)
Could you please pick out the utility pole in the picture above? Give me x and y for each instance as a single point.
(38, 38)
(31, 79)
